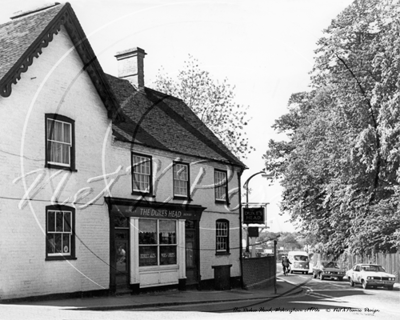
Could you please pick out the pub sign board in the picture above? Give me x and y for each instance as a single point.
(253, 215)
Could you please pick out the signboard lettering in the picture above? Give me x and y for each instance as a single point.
(253, 215)
(160, 212)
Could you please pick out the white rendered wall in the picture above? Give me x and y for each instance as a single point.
(66, 90)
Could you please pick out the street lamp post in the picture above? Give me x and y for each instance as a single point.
(246, 186)
(275, 242)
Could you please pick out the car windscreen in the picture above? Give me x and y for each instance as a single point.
(300, 258)
(373, 268)
(329, 264)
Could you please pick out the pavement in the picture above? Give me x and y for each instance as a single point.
(170, 298)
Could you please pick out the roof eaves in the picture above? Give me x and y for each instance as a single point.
(67, 18)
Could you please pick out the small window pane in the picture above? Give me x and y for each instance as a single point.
(121, 222)
(67, 221)
(167, 255)
(51, 243)
(67, 132)
(147, 256)
(51, 223)
(147, 231)
(59, 221)
(167, 231)
(57, 244)
(66, 243)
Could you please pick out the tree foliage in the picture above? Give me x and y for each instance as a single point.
(212, 101)
(340, 163)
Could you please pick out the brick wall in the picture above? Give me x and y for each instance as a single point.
(258, 271)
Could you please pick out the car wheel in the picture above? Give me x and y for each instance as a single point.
(351, 282)
(390, 287)
(364, 284)
(340, 279)
(321, 277)
(291, 271)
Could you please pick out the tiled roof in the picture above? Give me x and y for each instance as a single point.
(165, 123)
(18, 35)
(23, 39)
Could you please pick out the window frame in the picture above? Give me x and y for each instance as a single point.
(71, 122)
(158, 245)
(60, 256)
(137, 191)
(226, 250)
(180, 196)
(219, 185)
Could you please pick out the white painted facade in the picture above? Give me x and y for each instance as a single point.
(55, 83)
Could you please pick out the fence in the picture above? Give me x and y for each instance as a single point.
(390, 261)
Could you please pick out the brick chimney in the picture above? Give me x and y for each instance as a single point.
(131, 66)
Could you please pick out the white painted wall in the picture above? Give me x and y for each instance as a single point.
(66, 90)
(55, 83)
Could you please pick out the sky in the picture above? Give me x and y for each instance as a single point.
(265, 48)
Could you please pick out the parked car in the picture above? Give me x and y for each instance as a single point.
(328, 270)
(370, 275)
(299, 260)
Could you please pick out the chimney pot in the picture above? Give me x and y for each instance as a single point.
(131, 66)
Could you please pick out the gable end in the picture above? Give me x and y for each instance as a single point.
(67, 18)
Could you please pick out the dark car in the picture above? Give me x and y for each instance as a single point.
(328, 270)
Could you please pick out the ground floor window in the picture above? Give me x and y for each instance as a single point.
(157, 242)
(222, 236)
(60, 242)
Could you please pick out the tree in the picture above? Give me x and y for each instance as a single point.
(212, 101)
(340, 164)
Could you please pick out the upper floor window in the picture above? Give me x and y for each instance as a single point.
(60, 240)
(221, 186)
(222, 236)
(141, 173)
(60, 144)
(181, 180)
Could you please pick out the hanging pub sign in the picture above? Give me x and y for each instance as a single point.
(253, 232)
(253, 215)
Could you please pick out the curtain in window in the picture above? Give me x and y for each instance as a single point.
(59, 142)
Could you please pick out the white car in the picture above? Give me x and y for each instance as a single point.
(370, 276)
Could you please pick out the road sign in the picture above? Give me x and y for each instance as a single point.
(253, 215)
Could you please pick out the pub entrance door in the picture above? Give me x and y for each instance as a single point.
(192, 252)
(120, 275)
